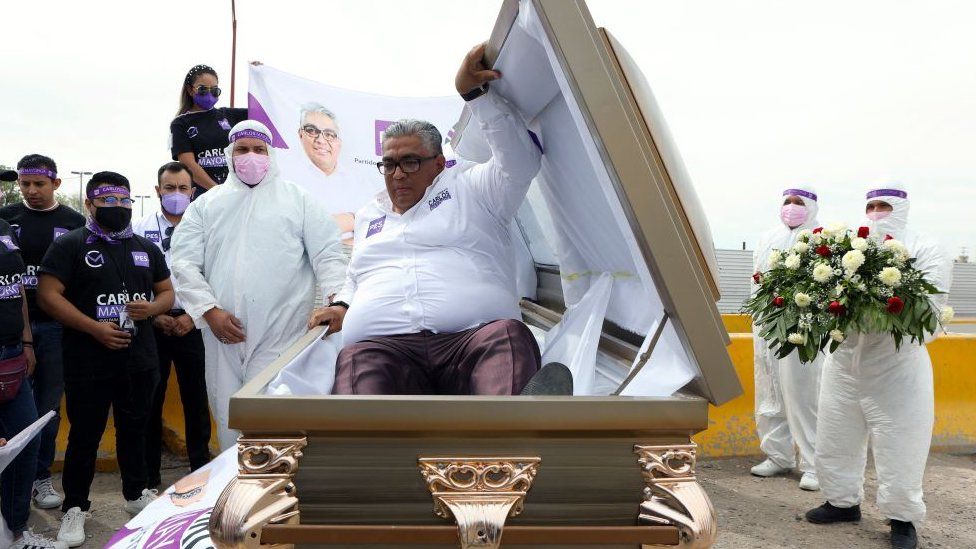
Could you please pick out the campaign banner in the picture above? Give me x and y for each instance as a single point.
(329, 139)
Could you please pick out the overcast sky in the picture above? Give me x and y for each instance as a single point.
(759, 95)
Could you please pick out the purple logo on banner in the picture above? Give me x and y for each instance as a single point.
(60, 231)
(140, 259)
(375, 226)
(169, 532)
(8, 242)
(441, 197)
(379, 127)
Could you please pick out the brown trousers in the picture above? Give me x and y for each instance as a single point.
(497, 358)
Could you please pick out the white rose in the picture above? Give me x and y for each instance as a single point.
(792, 261)
(815, 238)
(774, 258)
(796, 339)
(804, 235)
(801, 247)
(890, 276)
(895, 245)
(801, 299)
(822, 272)
(837, 335)
(852, 260)
(835, 229)
(946, 315)
(860, 244)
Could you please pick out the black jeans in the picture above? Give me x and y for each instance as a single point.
(187, 355)
(88, 400)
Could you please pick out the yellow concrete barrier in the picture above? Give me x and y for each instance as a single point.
(732, 428)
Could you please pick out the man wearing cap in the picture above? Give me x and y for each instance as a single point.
(872, 391)
(247, 258)
(103, 283)
(37, 221)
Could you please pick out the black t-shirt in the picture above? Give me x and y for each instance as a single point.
(205, 134)
(99, 279)
(11, 275)
(35, 230)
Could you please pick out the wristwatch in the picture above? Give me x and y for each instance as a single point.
(475, 93)
(339, 304)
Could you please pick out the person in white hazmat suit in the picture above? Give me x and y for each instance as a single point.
(786, 390)
(872, 392)
(247, 256)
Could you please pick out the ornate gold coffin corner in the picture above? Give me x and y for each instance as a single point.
(673, 495)
(480, 493)
(262, 493)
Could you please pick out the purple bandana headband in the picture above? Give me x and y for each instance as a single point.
(250, 133)
(886, 192)
(800, 192)
(37, 171)
(108, 189)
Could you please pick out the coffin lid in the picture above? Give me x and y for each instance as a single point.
(629, 141)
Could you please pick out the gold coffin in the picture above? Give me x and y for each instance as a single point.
(602, 471)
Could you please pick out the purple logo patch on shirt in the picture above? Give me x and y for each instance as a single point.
(439, 199)
(140, 259)
(224, 124)
(375, 226)
(192, 132)
(10, 291)
(8, 242)
(60, 231)
(152, 235)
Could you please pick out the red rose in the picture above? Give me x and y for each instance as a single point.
(756, 278)
(889, 237)
(895, 305)
(818, 230)
(835, 308)
(863, 232)
(779, 301)
(823, 251)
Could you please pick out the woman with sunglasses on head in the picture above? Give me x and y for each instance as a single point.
(198, 134)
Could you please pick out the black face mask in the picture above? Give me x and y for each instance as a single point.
(113, 218)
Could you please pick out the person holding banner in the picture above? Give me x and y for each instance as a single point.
(17, 410)
(247, 257)
(432, 304)
(198, 134)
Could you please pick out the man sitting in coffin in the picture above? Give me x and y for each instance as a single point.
(430, 303)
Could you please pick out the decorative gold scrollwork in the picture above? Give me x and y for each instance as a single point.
(673, 496)
(262, 493)
(479, 493)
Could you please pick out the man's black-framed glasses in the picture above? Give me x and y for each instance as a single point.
(213, 90)
(313, 131)
(167, 241)
(407, 165)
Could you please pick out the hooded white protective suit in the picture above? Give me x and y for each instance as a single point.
(256, 253)
(872, 392)
(786, 391)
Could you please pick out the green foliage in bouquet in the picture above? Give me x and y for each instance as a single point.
(834, 283)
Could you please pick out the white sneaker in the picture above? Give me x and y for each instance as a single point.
(134, 506)
(809, 482)
(30, 540)
(768, 468)
(44, 494)
(72, 529)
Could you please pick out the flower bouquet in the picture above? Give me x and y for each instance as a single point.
(835, 282)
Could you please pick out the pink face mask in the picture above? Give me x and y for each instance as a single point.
(793, 215)
(878, 216)
(251, 167)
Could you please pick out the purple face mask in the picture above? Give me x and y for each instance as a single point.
(878, 216)
(175, 203)
(205, 101)
(793, 215)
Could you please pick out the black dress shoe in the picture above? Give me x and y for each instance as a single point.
(827, 513)
(553, 379)
(903, 535)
